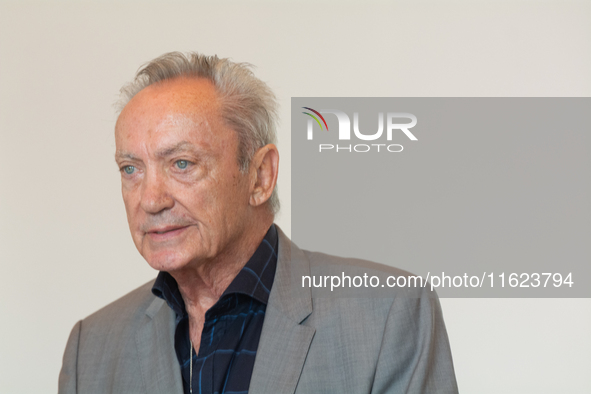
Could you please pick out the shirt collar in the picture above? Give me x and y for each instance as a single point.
(255, 279)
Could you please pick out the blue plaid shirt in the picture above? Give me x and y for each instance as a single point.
(232, 327)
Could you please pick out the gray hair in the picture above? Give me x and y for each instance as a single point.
(248, 104)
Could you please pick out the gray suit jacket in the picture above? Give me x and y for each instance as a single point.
(309, 344)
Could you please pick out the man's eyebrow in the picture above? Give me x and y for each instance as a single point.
(119, 155)
(182, 146)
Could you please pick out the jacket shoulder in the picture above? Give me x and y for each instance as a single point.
(127, 308)
(318, 259)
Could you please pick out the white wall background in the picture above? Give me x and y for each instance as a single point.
(65, 250)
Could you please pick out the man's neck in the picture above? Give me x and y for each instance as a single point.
(202, 285)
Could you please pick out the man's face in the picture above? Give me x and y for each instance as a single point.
(187, 202)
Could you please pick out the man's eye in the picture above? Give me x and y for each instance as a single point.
(129, 169)
(182, 164)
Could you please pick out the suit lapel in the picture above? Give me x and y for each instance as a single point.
(155, 344)
(284, 342)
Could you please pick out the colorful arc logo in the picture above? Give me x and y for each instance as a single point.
(315, 118)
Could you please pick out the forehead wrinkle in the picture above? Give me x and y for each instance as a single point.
(185, 119)
(189, 124)
(175, 106)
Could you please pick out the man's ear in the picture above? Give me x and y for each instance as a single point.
(264, 168)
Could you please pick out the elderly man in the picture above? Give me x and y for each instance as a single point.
(194, 144)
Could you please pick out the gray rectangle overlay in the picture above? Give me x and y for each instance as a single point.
(483, 197)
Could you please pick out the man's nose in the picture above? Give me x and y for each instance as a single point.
(156, 195)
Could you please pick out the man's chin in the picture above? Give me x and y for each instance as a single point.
(163, 261)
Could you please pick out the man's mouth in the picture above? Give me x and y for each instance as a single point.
(163, 233)
(166, 229)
